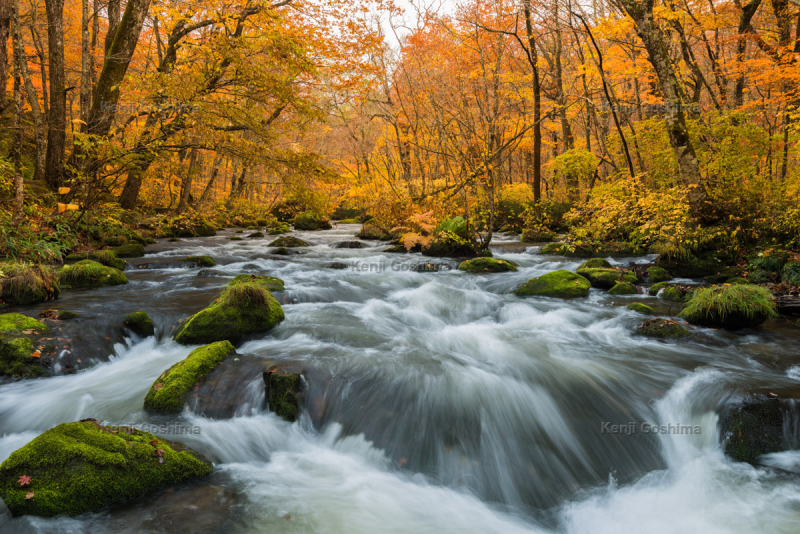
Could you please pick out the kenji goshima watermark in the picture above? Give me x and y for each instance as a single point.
(631, 428)
(163, 428)
(397, 266)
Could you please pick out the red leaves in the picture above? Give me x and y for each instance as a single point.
(158, 386)
(29, 495)
(160, 454)
(24, 480)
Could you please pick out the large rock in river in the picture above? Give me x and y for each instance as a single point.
(756, 424)
(90, 274)
(19, 355)
(561, 284)
(733, 307)
(607, 278)
(82, 467)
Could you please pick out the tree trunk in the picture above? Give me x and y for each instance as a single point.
(19, 59)
(748, 12)
(533, 58)
(57, 119)
(113, 23)
(675, 119)
(86, 65)
(5, 24)
(210, 185)
(186, 182)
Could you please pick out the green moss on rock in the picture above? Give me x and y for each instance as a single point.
(607, 278)
(791, 273)
(309, 220)
(89, 274)
(235, 238)
(16, 323)
(350, 221)
(487, 265)
(561, 284)
(103, 257)
(677, 293)
(596, 263)
(82, 467)
(372, 231)
(17, 335)
(623, 288)
(168, 393)
(200, 261)
(268, 282)
(130, 250)
(655, 288)
(752, 428)
(24, 284)
(658, 274)
(244, 308)
(284, 388)
(140, 324)
(256, 235)
(735, 306)
(289, 241)
(662, 329)
(532, 235)
(638, 307)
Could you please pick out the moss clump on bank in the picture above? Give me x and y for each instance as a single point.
(309, 220)
(200, 261)
(130, 250)
(641, 308)
(623, 288)
(350, 221)
(82, 467)
(284, 389)
(531, 235)
(596, 263)
(372, 231)
(289, 241)
(282, 228)
(658, 274)
(607, 278)
(737, 306)
(487, 265)
(269, 283)
(662, 329)
(24, 284)
(168, 393)
(140, 324)
(561, 284)
(88, 274)
(244, 308)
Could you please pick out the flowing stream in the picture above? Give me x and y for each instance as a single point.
(439, 402)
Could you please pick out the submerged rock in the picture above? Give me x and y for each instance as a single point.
(396, 249)
(309, 220)
(22, 284)
(282, 251)
(208, 273)
(372, 231)
(289, 241)
(89, 274)
(561, 284)
(235, 238)
(18, 354)
(641, 308)
(755, 425)
(268, 282)
(58, 315)
(168, 393)
(284, 391)
(487, 265)
(255, 235)
(244, 308)
(349, 244)
(140, 324)
(733, 307)
(661, 328)
(82, 467)
(337, 265)
(532, 235)
(200, 261)
(607, 278)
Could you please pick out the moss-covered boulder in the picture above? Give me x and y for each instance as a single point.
(623, 288)
(268, 282)
(555, 249)
(339, 266)
(186, 227)
(90, 274)
(534, 235)
(168, 393)
(723, 275)
(350, 221)
(281, 228)
(82, 467)
(129, 250)
(349, 244)
(487, 265)
(24, 284)
(289, 241)
(200, 261)
(140, 324)
(734, 307)
(638, 307)
(282, 251)
(658, 274)
(752, 427)
(662, 329)
(18, 345)
(676, 293)
(607, 278)
(449, 246)
(103, 257)
(284, 391)
(256, 235)
(309, 220)
(596, 263)
(235, 238)
(655, 288)
(738, 280)
(243, 309)
(58, 315)
(560, 284)
(373, 231)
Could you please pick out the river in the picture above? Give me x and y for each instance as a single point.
(439, 402)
